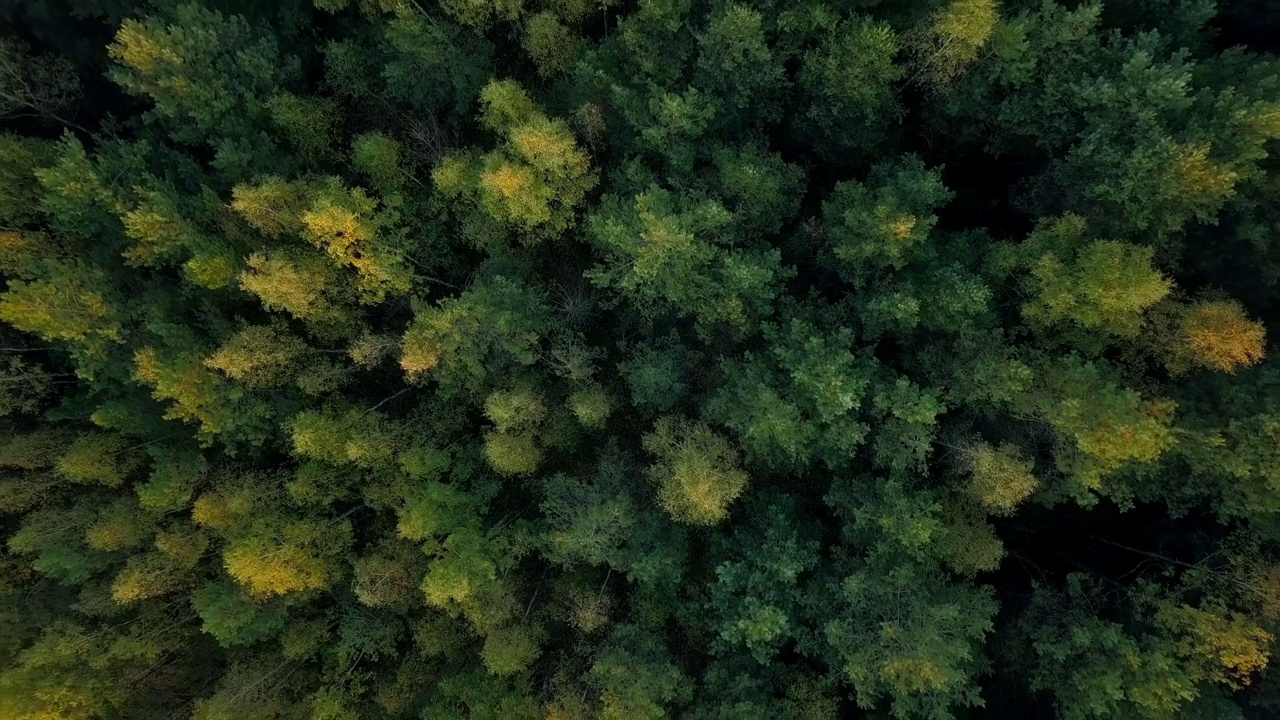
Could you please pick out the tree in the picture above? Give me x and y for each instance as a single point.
(495, 324)
(301, 282)
(908, 633)
(550, 44)
(205, 72)
(696, 471)
(798, 405)
(201, 396)
(532, 184)
(73, 671)
(30, 84)
(1100, 285)
(589, 520)
(635, 676)
(346, 224)
(672, 253)
(259, 355)
(884, 222)
(1214, 334)
(832, 93)
(231, 618)
(20, 157)
(736, 65)
(999, 477)
(954, 39)
(1098, 667)
(72, 302)
(755, 597)
(1101, 425)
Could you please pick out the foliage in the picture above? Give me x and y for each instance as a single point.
(671, 358)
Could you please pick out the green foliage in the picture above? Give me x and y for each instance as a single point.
(1100, 425)
(799, 404)
(736, 64)
(674, 358)
(200, 396)
(884, 222)
(19, 158)
(672, 253)
(756, 597)
(847, 85)
(309, 123)
(635, 677)
(591, 406)
(655, 377)
(491, 326)
(231, 618)
(550, 44)
(1101, 285)
(909, 633)
(205, 73)
(379, 158)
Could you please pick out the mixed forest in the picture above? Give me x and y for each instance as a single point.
(629, 359)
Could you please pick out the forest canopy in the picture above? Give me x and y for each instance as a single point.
(627, 359)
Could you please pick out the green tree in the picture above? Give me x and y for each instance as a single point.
(494, 325)
(673, 253)
(206, 73)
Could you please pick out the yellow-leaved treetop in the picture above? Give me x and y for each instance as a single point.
(1217, 335)
(696, 472)
(953, 39)
(1000, 478)
(269, 549)
(351, 227)
(259, 355)
(532, 184)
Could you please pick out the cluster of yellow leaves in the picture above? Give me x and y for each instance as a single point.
(912, 674)
(1223, 647)
(267, 567)
(697, 471)
(1196, 176)
(119, 527)
(259, 355)
(146, 576)
(953, 39)
(1218, 335)
(272, 206)
(1000, 477)
(136, 47)
(68, 306)
(534, 182)
(98, 459)
(344, 223)
(292, 282)
(268, 552)
(192, 388)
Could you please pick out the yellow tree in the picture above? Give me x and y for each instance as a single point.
(953, 39)
(1213, 334)
(696, 472)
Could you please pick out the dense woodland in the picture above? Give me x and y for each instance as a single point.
(629, 359)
